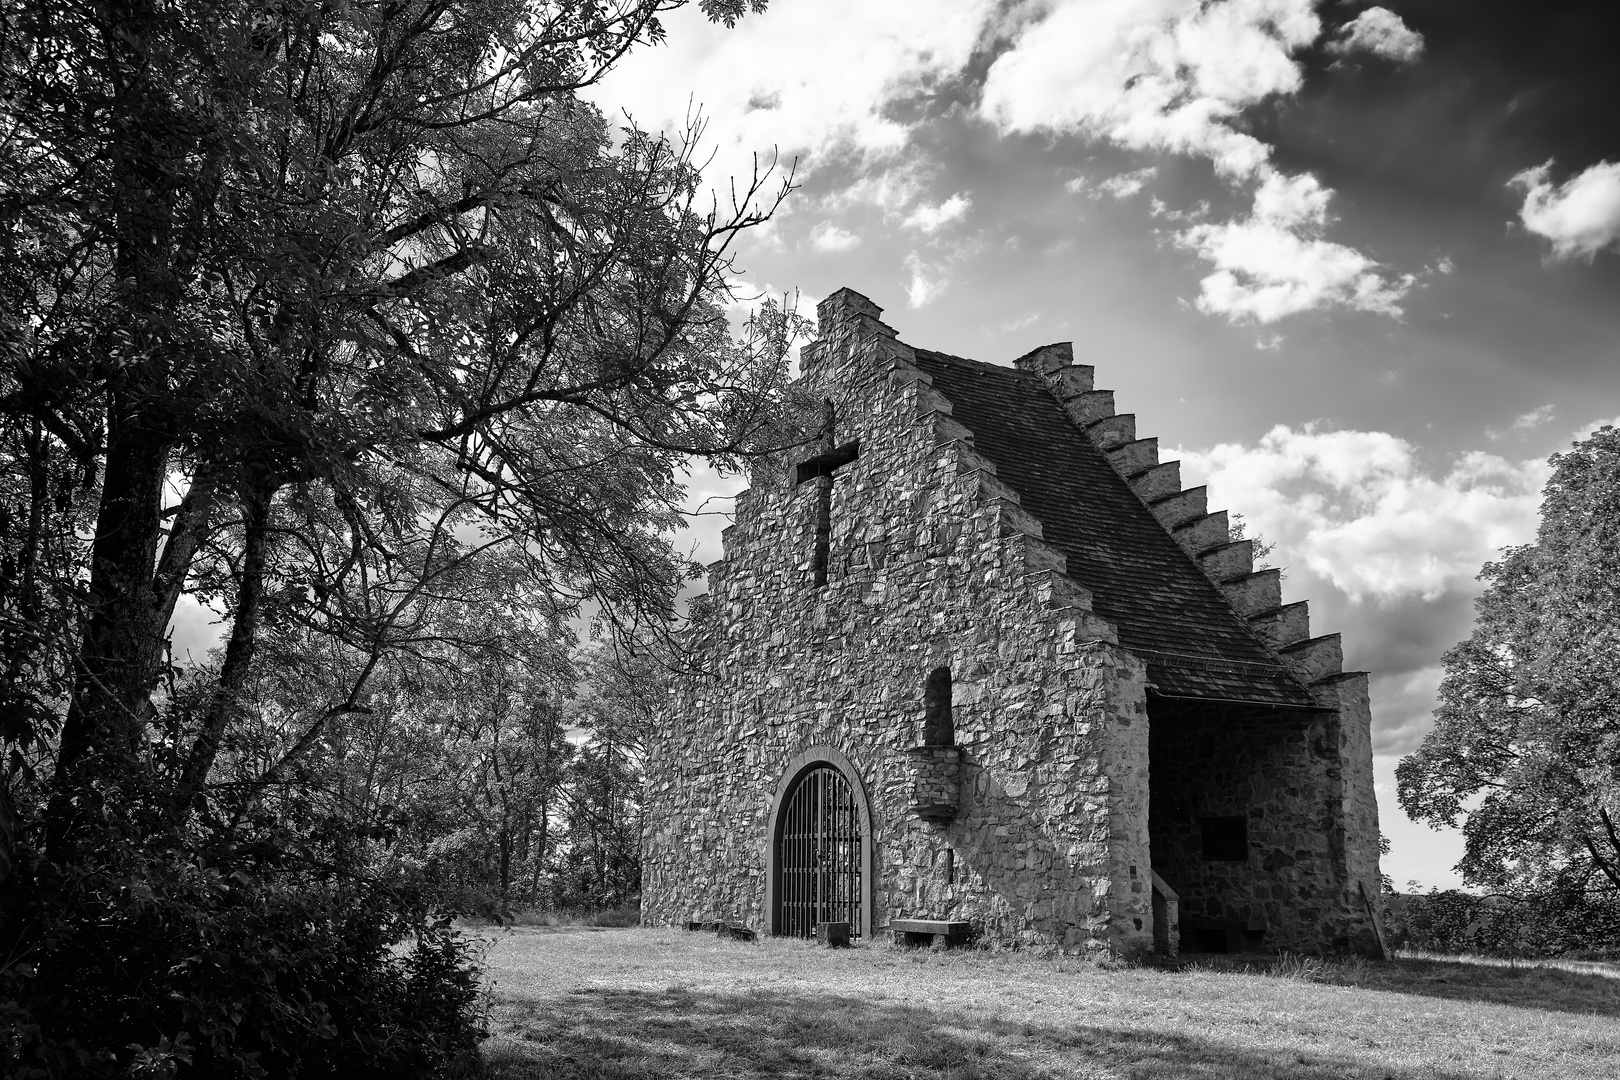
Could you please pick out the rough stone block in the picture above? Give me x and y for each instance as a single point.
(832, 935)
(1132, 457)
(1250, 594)
(1181, 507)
(1113, 431)
(1202, 534)
(1285, 625)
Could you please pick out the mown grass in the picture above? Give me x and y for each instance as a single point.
(581, 1004)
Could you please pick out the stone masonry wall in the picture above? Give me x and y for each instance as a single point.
(1278, 770)
(931, 562)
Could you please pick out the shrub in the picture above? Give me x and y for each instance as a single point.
(159, 964)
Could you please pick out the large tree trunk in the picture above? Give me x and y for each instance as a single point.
(117, 658)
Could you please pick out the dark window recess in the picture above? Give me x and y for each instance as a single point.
(1226, 839)
(938, 728)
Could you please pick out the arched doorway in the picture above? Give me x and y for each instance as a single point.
(820, 854)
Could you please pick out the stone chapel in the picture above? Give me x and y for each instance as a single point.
(974, 656)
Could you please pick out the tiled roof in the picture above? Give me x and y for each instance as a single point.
(1165, 609)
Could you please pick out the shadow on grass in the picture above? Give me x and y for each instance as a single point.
(677, 1034)
(1522, 986)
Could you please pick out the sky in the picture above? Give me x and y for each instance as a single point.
(1357, 266)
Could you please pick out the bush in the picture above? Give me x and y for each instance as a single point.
(1569, 923)
(161, 965)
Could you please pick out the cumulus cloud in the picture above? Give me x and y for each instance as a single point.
(1127, 184)
(1276, 262)
(1160, 75)
(1381, 32)
(1175, 76)
(927, 280)
(1360, 511)
(1580, 216)
(1535, 418)
(1384, 544)
(1153, 76)
(803, 78)
(829, 237)
(930, 219)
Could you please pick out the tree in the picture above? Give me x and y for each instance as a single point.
(1525, 750)
(354, 320)
(380, 251)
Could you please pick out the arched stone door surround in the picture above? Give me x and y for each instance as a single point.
(804, 763)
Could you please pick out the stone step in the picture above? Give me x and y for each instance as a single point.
(1071, 382)
(1314, 658)
(1156, 481)
(1250, 594)
(1176, 510)
(1230, 560)
(1133, 457)
(1089, 407)
(1047, 360)
(1112, 431)
(1283, 626)
(1202, 534)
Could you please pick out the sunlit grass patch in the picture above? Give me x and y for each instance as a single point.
(616, 1004)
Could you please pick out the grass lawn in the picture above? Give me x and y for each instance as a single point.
(578, 1003)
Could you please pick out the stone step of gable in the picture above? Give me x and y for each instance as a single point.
(1202, 534)
(1112, 431)
(1250, 594)
(1156, 481)
(1133, 457)
(1229, 560)
(1314, 659)
(1090, 406)
(1178, 509)
(1283, 626)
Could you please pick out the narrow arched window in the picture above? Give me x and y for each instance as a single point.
(938, 728)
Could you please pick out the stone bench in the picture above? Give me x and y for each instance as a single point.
(941, 932)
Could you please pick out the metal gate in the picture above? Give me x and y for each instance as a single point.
(819, 854)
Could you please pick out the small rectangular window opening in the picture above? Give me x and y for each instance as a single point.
(1226, 839)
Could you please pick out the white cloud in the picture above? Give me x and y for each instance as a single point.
(829, 237)
(1167, 75)
(1360, 511)
(1127, 184)
(1580, 216)
(1175, 76)
(1075, 186)
(930, 219)
(1535, 418)
(928, 280)
(1381, 32)
(804, 78)
(1275, 262)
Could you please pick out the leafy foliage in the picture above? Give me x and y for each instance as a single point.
(1525, 750)
(356, 324)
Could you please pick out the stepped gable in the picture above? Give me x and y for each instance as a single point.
(1165, 606)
